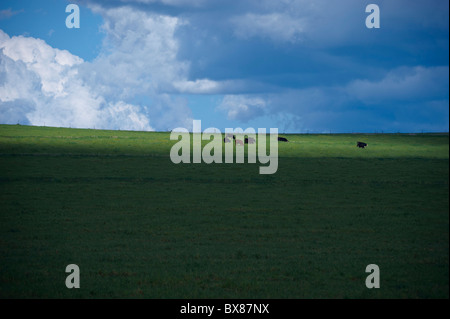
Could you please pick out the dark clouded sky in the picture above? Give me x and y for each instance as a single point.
(301, 66)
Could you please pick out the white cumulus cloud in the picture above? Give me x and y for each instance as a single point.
(242, 107)
(125, 87)
(40, 85)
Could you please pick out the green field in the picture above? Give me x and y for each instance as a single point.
(139, 226)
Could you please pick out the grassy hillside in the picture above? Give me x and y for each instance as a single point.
(138, 225)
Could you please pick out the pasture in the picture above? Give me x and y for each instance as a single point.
(139, 226)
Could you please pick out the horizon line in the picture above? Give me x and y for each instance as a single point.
(220, 132)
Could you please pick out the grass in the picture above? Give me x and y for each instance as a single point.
(139, 226)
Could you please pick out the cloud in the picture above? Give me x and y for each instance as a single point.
(51, 65)
(40, 85)
(404, 99)
(207, 86)
(197, 87)
(278, 27)
(403, 84)
(242, 107)
(125, 87)
(8, 13)
(139, 53)
(175, 3)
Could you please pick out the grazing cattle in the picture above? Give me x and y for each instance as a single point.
(361, 144)
(226, 140)
(249, 140)
(239, 142)
(282, 139)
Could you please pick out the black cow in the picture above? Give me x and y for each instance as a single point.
(249, 140)
(282, 139)
(361, 144)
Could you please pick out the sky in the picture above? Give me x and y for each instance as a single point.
(296, 65)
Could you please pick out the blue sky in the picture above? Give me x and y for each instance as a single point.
(46, 20)
(300, 66)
